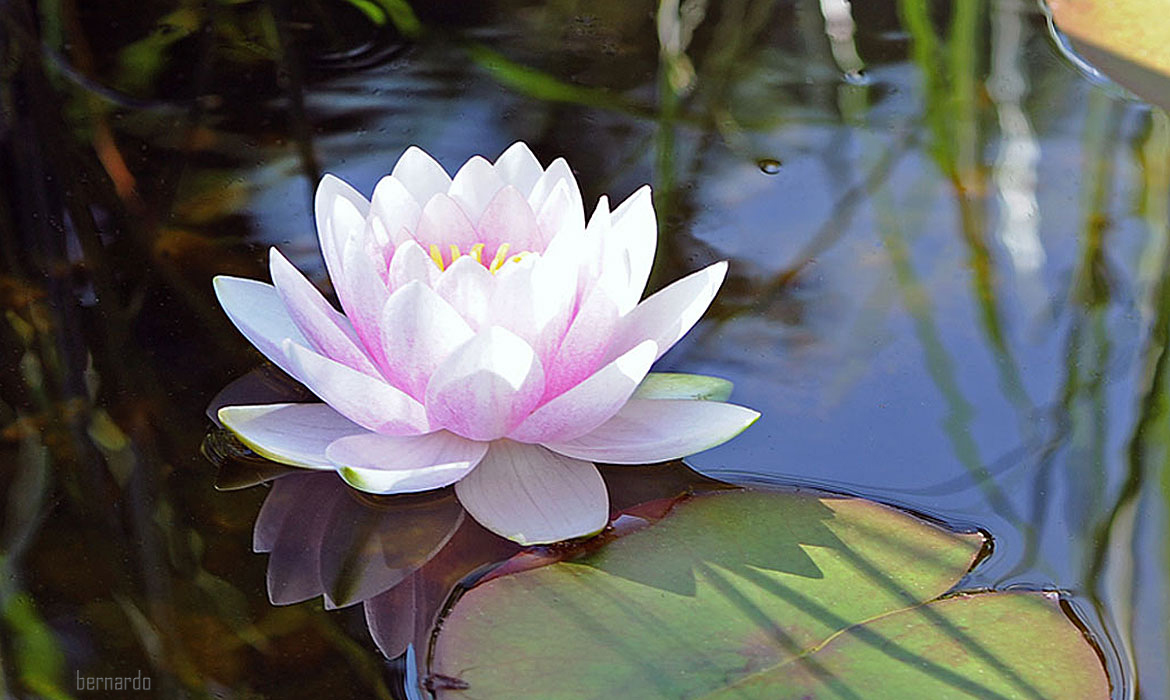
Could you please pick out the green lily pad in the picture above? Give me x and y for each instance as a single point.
(1125, 39)
(772, 595)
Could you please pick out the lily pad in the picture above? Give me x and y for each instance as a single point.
(672, 385)
(756, 594)
(1125, 39)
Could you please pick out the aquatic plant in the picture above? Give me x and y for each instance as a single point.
(491, 338)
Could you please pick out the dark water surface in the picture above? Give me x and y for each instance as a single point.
(948, 289)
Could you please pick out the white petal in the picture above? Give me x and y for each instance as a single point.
(258, 311)
(508, 219)
(391, 464)
(514, 298)
(561, 212)
(418, 331)
(362, 293)
(289, 433)
(518, 167)
(533, 496)
(395, 207)
(329, 332)
(596, 235)
(634, 231)
(589, 404)
(467, 286)
(486, 386)
(558, 171)
(411, 263)
(535, 299)
(584, 344)
(420, 174)
(443, 224)
(554, 297)
(340, 212)
(474, 186)
(609, 266)
(371, 403)
(656, 430)
(667, 315)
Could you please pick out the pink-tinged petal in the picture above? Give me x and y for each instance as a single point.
(585, 343)
(409, 264)
(593, 244)
(610, 267)
(289, 433)
(371, 403)
(560, 213)
(467, 286)
(583, 408)
(486, 386)
(655, 430)
(418, 331)
(508, 219)
(474, 186)
(533, 496)
(258, 311)
(444, 223)
(391, 464)
(558, 171)
(395, 208)
(634, 231)
(420, 174)
(534, 298)
(362, 293)
(328, 331)
(667, 315)
(341, 213)
(518, 167)
(513, 298)
(554, 298)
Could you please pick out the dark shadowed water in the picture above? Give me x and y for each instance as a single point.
(949, 251)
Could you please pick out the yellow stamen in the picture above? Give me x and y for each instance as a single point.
(501, 257)
(476, 252)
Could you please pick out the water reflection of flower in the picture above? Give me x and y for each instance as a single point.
(400, 556)
(492, 339)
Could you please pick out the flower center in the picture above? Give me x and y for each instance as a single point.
(476, 251)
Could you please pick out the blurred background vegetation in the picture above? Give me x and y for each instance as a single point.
(949, 254)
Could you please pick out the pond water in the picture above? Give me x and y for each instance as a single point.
(948, 285)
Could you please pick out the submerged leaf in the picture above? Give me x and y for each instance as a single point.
(763, 595)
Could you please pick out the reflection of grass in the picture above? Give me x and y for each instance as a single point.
(545, 87)
(950, 71)
(1110, 565)
(83, 248)
(939, 365)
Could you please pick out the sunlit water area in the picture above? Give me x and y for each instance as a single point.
(948, 250)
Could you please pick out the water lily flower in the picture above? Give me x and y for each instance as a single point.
(491, 339)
